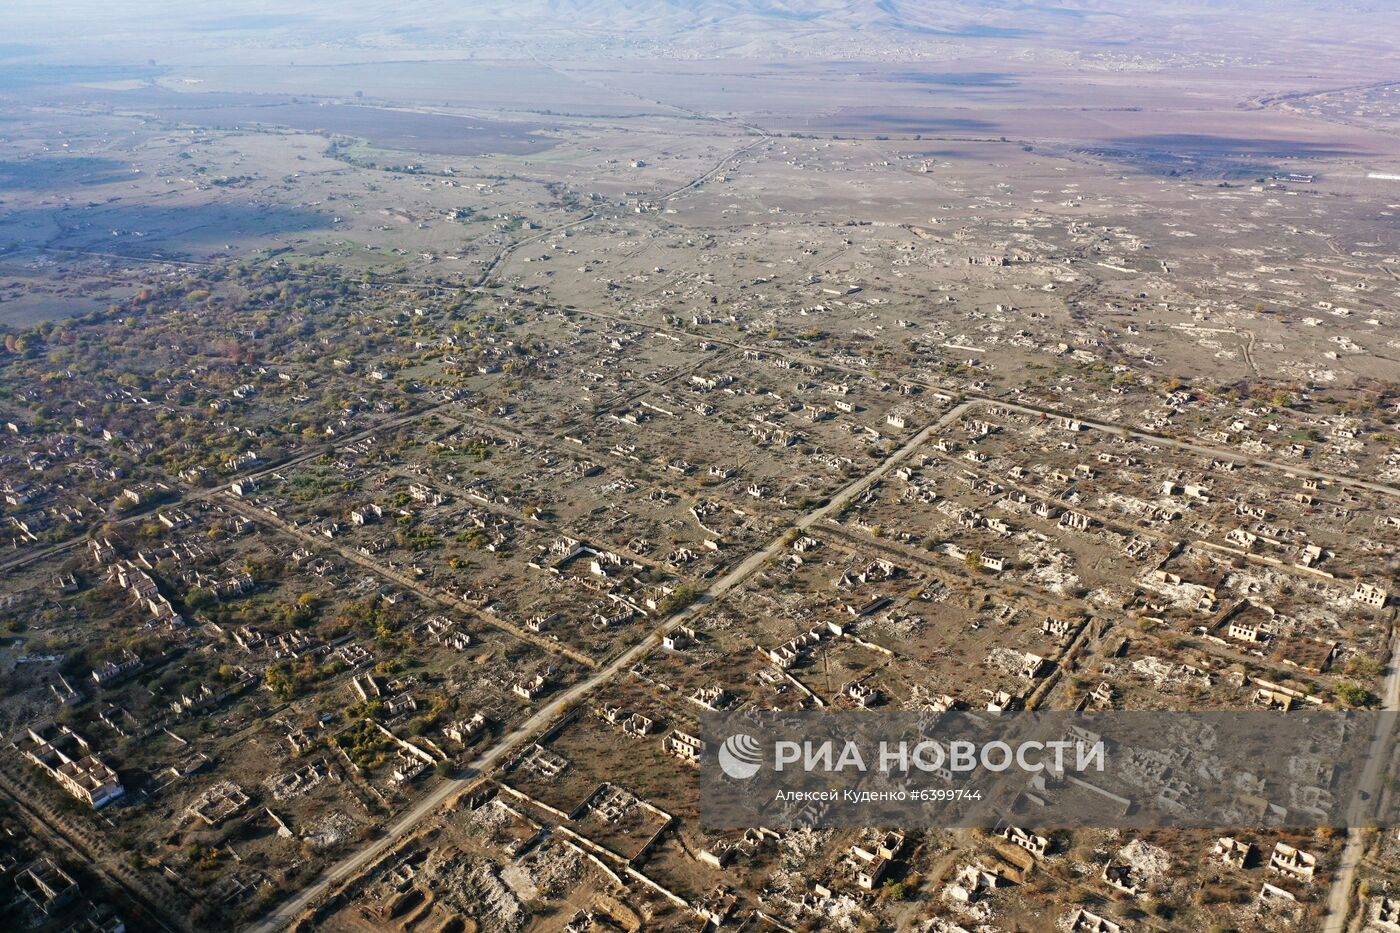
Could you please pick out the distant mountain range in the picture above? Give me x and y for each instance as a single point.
(719, 28)
(674, 20)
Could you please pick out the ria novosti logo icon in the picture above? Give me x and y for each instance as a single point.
(740, 756)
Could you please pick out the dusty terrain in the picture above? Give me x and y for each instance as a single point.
(376, 400)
